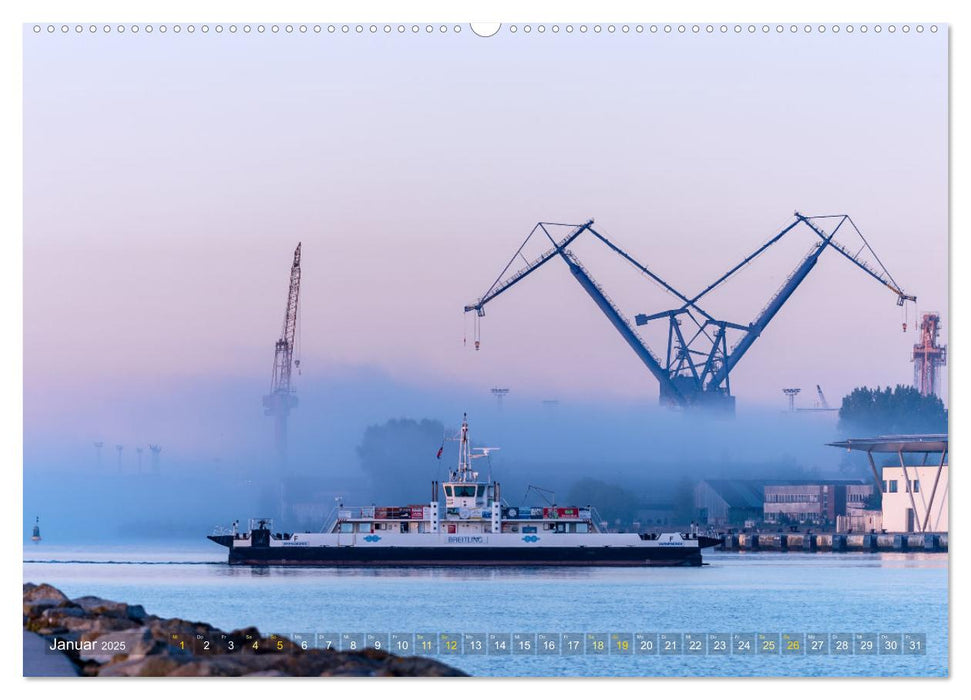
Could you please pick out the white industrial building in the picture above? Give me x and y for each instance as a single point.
(915, 488)
(909, 501)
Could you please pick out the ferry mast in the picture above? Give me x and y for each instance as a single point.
(464, 472)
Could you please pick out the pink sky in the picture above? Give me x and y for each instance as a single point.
(168, 179)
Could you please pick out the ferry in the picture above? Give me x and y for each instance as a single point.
(473, 527)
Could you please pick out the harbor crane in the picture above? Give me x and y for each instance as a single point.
(823, 403)
(698, 361)
(928, 356)
(281, 398)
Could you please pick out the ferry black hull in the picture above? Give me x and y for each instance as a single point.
(465, 556)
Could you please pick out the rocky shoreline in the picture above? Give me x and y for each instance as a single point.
(101, 637)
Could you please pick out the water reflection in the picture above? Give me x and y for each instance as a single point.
(464, 573)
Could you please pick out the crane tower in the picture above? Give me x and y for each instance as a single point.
(696, 366)
(928, 356)
(281, 397)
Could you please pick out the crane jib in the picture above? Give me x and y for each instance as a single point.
(622, 326)
(280, 399)
(698, 364)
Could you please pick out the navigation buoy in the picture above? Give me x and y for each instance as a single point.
(35, 536)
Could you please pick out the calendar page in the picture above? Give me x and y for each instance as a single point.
(524, 349)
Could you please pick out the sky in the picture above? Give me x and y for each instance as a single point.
(168, 178)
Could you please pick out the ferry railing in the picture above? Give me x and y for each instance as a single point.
(256, 523)
(597, 520)
(332, 517)
(342, 512)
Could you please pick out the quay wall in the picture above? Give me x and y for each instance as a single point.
(833, 542)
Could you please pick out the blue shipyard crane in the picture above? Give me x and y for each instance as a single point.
(281, 398)
(697, 363)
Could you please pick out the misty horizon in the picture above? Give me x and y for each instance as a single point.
(164, 196)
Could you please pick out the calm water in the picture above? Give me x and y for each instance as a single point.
(745, 593)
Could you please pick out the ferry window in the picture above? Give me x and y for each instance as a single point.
(582, 527)
(465, 491)
(480, 490)
(347, 527)
(561, 527)
(893, 486)
(364, 527)
(448, 491)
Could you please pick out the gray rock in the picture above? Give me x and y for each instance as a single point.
(152, 665)
(97, 624)
(44, 591)
(49, 620)
(101, 606)
(130, 644)
(36, 607)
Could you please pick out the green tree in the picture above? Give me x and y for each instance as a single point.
(867, 412)
(396, 454)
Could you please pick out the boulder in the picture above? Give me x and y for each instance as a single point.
(83, 625)
(110, 608)
(44, 591)
(152, 665)
(128, 642)
(37, 599)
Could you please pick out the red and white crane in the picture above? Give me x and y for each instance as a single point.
(928, 356)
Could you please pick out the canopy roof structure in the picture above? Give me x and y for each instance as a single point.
(901, 445)
(906, 444)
